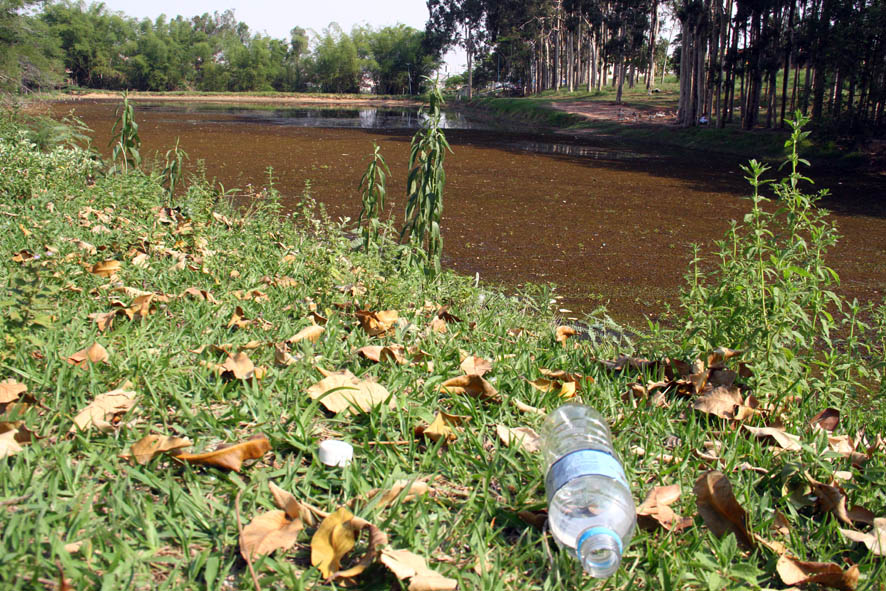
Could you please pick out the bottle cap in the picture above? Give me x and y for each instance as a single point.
(334, 452)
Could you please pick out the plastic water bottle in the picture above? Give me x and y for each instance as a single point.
(590, 509)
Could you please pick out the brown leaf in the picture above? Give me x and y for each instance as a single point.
(523, 407)
(408, 565)
(290, 505)
(565, 376)
(105, 268)
(832, 499)
(267, 532)
(386, 497)
(239, 366)
(828, 419)
(150, 446)
(655, 511)
(875, 540)
(719, 509)
(10, 390)
(231, 457)
(442, 427)
(105, 411)
(282, 356)
(309, 333)
(377, 323)
(721, 355)
(198, 294)
(524, 437)
(9, 446)
(342, 391)
(104, 320)
(785, 440)
(238, 319)
(798, 572)
(380, 354)
(721, 401)
(94, 353)
(625, 362)
(563, 333)
(563, 389)
(473, 365)
(472, 385)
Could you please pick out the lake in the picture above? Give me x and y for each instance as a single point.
(610, 223)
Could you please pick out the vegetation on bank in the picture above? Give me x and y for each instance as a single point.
(137, 325)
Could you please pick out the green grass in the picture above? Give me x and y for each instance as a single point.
(171, 526)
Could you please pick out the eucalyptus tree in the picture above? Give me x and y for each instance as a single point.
(464, 23)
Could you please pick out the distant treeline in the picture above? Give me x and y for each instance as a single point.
(70, 43)
(735, 58)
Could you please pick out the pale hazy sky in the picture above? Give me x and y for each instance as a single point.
(277, 18)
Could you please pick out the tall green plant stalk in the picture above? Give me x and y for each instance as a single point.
(173, 169)
(424, 185)
(124, 137)
(373, 188)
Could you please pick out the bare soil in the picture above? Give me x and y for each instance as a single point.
(607, 111)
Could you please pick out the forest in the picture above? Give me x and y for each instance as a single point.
(739, 62)
(825, 57)
(70, 43)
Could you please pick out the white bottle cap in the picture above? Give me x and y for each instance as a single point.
(334, 452)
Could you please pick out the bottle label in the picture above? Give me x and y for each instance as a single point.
(584, 462)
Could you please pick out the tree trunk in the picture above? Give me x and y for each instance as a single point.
(653, 33)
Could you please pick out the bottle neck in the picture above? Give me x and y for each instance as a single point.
(599, 549)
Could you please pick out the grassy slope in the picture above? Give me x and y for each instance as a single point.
(171, 526)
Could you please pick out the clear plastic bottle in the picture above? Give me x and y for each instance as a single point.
(590, 509)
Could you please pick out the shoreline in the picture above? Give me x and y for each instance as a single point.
(246, 98)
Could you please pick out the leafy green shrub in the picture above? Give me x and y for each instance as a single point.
(372, 186)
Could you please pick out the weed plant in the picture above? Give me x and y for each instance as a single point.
(173, 169)
(71, 508)
(373, 188)
(124, 137)
(424, 186)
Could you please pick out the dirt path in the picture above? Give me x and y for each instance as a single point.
(607, 111)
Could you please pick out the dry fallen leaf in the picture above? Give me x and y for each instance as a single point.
(524, 437)
(655, 511)
(472, 365)
(239, 366)
(8, 444)
(342, 391)
(105, 268)
(105, 411)
(719, 509)
(10, 390)
(290, 505)
(335, 537)
(377, 323)
(230, 457)
(408, 565)
(785, 440)
(385, 497)
(828, 419)
(150, 446)
(94, 353)
(269, 531)
(562, 389)
(563, 333)
(875, 540)
(473, 385)
(721, 401)
(798, 572)
(309, 333)
(442, 427)
(378, 353)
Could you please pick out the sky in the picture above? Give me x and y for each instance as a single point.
(276, 18)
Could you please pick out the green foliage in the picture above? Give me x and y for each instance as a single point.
(771, 293)
(372, 187)
(424, 185)
(173, 169)
(124, 137)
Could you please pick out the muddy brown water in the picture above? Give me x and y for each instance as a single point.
(609, 223)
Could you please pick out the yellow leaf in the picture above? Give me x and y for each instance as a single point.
(342, 391)
(293, 509)
(240, 367)
(10, 390)
(442, 427)
(408, 565)
(333, 539)
(377, 323)
(475, 365)
(231, 457)
(8, 444)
